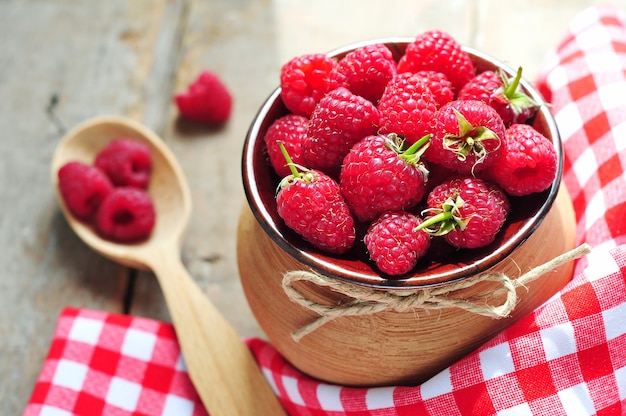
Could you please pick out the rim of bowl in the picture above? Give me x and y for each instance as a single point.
(357, 271)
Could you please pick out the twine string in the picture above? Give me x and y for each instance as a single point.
(366, 301)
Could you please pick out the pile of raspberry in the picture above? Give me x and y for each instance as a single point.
(111, 194)
(415, 149)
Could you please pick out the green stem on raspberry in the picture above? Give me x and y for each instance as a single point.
(472, 142)
(469, 140)
(445, 220)
(413, 154)
(442, 222)
(303, 174)
(292, 166)
(519, 100)
(511, 87)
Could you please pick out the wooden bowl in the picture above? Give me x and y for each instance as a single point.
(391, 348)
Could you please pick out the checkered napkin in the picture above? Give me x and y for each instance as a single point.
(110, 364)
(566, 358)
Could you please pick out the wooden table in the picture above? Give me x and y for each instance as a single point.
(65, 61)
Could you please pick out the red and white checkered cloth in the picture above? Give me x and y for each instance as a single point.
(110, 364)
(566, 358)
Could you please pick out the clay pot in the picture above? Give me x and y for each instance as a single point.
(389, 347)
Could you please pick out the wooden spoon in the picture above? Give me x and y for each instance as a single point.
(220, 365)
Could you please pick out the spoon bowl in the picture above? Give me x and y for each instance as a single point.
(220, 365)
(168, 187)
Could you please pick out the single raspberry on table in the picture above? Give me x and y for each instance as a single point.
(504, 94)
(207, 100)
(126, 162)
(395, 244)
(380, 174)
(83, 188)
(366, 71)
(291, 131)
(406, 107)
(435, 50)
(467, 137)
(467, 211)
(311, 204)
(126, 215)
(304, 80)
(439, 85)
(528, 162)
(340, 119)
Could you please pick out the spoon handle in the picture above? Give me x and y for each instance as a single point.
(221, 367)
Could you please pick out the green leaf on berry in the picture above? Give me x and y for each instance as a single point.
(469, 140)
(444, 219)
(413, 154)
(510, 91)
(302, 174)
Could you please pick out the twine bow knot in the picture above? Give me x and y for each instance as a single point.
(367, 301)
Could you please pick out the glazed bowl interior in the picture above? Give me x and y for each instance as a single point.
(445, 264)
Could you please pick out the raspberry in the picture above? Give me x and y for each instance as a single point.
(291, 131)
(377, 136)
(126, 162)
(439, 85)
(339, 120)
(395, 244)
(467, 211)
(481, 87)
(366, 71)
(435, 50)
(83, 187)
(503, 94)
(310, 203)
(304, 80)
(406, 108)
(378, 175)
(126, 215)
(467, 136)
(528, 162)
(207, 100)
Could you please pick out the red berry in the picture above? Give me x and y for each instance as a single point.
(467, 211)
(206, 101)
(379, 175)
(304, 80)
(83, 187)
(291, 131)
(503, 94)
(311, 204)
(339, 120)
(481, 87)
(439, 85)
(126, 215)
(467, 136)
(435, 50)
(366, 71)
(528, 162)
(395, 244)
(406, 107)
(126, 162)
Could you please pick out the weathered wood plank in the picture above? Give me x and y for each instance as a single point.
(235, 40)
(60, 63)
